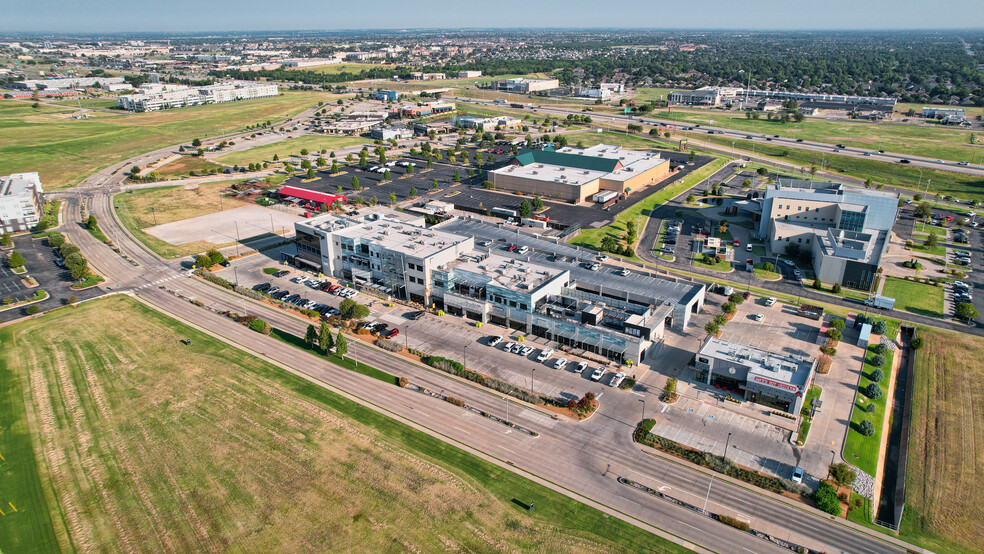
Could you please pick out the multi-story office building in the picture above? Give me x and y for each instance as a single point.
(65, 83)
(716, 96)
(444, 270)
(845, 228)
(162, 97)
(21, 199)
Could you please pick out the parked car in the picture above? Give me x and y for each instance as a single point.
(758, 317)
(770, 301)
(272, 290)
(580, 366)
(596, 374)
(797, 476)
(282, 273)
(261, 286)
(559, 363)
(495, 340)
(623, 272)
(748, 248)
(602, 258)
(617, 379)
(526, 350)
(544, 354)
(419, 314)
(391, 333)
(508, 346)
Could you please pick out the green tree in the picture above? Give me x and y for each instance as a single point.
(78, 266)
(932, 241)
(965, 310)
(386, 175)
(215, 256)
(134, 171)
(355, 182)
(693, 156)
(923, 210)
(325, 341)
(341, 345)
(413, 192)
(842, 474)
(310, 173)
(836, 288)
(196, 142)
(409, 170)
(524, 208)
(826, 499)
(434, 184)
(304, 151)
(866, 428)
(834, 334)
(334, 167)
(537, 204)
(310, 336)
(916, 343)
(456, 177)
(15, 259)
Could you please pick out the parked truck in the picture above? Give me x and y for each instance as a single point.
(880, 302)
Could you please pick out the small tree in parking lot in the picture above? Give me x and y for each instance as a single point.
(196, 142)
(310, 173)
(826, 499)
(15, 259)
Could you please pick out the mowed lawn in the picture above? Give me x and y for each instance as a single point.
(860, 450)
(917, 298)
(946, 449)
(935, 141)
(290, 147)
(65, 150)
(149, 445)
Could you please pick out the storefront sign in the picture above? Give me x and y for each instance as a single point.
(775, 384)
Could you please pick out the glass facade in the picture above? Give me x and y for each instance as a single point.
(852, 221)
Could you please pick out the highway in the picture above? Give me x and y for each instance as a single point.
(913, 161)
(582, 460)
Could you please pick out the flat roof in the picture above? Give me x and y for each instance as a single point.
(544, 252)
(508, 273)
(552, 173)
(18, 184)
(792, 370)
(402, 237)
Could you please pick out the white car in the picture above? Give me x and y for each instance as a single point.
(301, 278)
(580, 366)
(770, 301)
(526, 351)
(544, 354)
(758, 317)
(508, 346)
(617, 379)
(596, 374)
(495, 340)
(623, 272)
(602, 258)
(797, 476)
(559, 363)
(595, 267)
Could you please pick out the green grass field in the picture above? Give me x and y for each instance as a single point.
(933, 141)
(591, 138)
(647, 94)
(917, 298)
(290, 147)
(591, 238)
(946, 462)
(762, 273)
(151, 445)
(723, 266)
(66, 150)
(859, 450)
(185, 165)
(334, 69)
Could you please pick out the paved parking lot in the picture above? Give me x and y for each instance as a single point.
(41, 266)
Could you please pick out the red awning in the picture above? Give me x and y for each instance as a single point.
(310, 195)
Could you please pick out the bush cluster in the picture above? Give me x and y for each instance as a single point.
(389, 345)
(873, 391)
(224, 283)
(826, 499)
(456, 401)
(734, 522)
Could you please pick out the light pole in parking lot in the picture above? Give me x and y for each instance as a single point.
(726, 445)
(464, 351)
(532, 371)
(643, 400)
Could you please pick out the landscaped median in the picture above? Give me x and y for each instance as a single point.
(863, 442)
(8, 303)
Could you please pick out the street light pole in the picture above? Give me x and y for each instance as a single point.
(726, 445)
(643, 400)
(464, 354)
(532, 371)
(709, 483)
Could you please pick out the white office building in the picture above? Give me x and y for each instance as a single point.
(153, 97)
(21, 199)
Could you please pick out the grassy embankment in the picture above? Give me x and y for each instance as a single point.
(66, 150)
(291, 147)
(132, 440)
(918, 298)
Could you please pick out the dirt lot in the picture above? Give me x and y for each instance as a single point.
(946, 452)
(151, 445)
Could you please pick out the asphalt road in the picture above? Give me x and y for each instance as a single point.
(580, 459)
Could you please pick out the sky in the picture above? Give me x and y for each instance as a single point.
(179, 16)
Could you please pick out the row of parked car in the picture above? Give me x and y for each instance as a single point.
(326, 286)
(285, 295)
(379, 329)
(962, 293)
(557, 363)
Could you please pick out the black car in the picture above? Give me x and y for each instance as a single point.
(841, 146)
(281, 273)
(799, 140)
(417, 315)
(262, 287)
(904, 161)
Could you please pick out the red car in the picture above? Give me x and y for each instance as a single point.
(391, 333)
(511, 248)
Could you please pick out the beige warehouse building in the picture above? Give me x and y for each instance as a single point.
(576, 174)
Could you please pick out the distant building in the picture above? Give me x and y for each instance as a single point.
(716, 96)
(525, 86)
(65, 83)
(162, 97)
(438, 127)
(21, 199)
(469, 74)
(385, 95)
(947, 116)
(778, 381)
(418, 76)
(576, 174)
(387, 132)
(486, 123)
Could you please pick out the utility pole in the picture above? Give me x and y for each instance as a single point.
(709, 483)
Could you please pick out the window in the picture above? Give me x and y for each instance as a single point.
(523, 306)
(799, 240)
(512, 303)
(703, 360)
